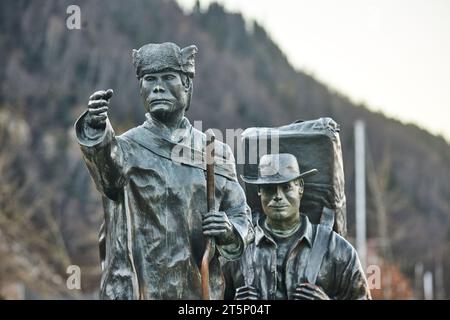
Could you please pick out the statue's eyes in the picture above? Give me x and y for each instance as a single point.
(149, 78)
(270, 189)
(169, 77)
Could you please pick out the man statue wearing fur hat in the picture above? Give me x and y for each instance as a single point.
(290, 257)
(155, 213)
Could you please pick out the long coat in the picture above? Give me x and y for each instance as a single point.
(154, 196)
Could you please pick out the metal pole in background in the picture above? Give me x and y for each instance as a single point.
(428, 285)
(360, 191)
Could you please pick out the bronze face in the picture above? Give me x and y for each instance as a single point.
(281, 202)
(165, 95)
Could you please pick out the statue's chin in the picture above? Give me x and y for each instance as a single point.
(160, 109)
(164, 112)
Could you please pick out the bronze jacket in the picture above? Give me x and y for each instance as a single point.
(340, 274)
(154, 195)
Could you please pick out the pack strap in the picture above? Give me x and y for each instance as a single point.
(320, 245)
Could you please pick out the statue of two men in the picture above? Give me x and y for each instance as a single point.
(155, 207)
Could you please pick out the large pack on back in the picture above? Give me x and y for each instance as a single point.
(315, 144)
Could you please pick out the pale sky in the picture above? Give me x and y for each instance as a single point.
(393, 55)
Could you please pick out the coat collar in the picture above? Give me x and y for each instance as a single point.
(305, 232)
(186, 146)
(180, 135)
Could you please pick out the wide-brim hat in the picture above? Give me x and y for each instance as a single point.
(278, 168)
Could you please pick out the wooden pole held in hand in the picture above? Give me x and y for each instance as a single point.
(210, 188)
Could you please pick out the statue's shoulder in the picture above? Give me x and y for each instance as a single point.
(221, 149)
(336, 243)
(134, 135)
(133, 132)
(131, 138)
(340, 247)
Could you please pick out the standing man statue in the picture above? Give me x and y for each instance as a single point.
(292, 258)
(155, 217)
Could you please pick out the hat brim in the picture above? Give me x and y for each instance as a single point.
(278, 179)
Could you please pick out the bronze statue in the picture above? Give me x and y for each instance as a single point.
(290, 257)
(155, 207)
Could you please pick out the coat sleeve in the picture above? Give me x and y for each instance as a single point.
(234, 204)
(353, 283)
(233, 278)
(104, 155)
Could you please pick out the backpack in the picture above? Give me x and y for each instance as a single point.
(315, 144)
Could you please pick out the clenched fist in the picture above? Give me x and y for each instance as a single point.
(98, 109)
(217, 225)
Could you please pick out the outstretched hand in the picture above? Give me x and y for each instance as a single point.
(98, 108)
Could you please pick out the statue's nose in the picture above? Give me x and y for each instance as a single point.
(158, 88)
(277, 198)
